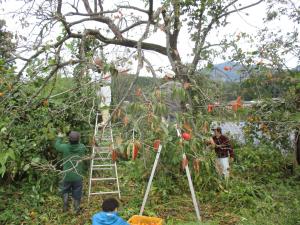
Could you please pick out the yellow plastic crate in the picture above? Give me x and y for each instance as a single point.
(145, 220)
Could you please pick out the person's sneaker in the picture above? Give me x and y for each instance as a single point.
(77, 211)
(77, 207)
(65, 200)
(65, 208)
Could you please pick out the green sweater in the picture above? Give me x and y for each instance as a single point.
(72, 153)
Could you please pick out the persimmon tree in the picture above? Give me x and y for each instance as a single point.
(119, 25)
(69, 33)
(66, 35)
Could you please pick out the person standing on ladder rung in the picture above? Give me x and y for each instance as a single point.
(104, 93)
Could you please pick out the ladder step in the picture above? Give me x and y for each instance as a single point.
(102, 168)
(104, 137)
(104, 165)
(101, 152)
(107, 178)
(102, 148)
(107, 126)
(103, 159)
(104, 192)
(103, 145)
(106, 140)
(103, 134)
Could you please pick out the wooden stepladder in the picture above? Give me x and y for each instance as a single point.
(188, 174)
(103, 179)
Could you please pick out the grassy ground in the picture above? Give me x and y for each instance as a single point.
(249, 198)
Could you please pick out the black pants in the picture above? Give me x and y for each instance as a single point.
(74, 187)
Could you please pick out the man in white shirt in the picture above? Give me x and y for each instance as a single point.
(104, 93)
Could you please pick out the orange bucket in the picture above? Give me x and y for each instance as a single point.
(145, 220)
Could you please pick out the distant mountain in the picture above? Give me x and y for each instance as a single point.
(226, 72)
(230, 72)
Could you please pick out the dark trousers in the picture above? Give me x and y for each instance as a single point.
(74, 187)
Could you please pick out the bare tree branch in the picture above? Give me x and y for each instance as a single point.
(87, 6)
(199, 46)
(124, 42)
(95, 6)
(172, 52)
(101, 19)
(134, 25)
(132, 7)
(240, 9)
(139, 67)
(176, 27)
(90, 14)
(59, 4)
(151, 69)
(150, 11)
(42, 50)
(101, 6)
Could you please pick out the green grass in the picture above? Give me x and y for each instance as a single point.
(250, 198)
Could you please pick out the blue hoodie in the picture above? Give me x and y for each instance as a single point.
(108, 218)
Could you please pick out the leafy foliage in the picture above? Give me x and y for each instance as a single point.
(7, 46)
(257, 189)
(27, 130)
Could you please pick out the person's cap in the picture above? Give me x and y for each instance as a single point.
(74, 136)
(219, 129)
(170, 74)
(98, 62)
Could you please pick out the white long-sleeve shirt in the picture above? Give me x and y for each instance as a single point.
(104, 93)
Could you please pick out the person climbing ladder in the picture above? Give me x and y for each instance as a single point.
(104, 93)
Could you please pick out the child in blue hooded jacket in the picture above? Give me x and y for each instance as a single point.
(109, 215)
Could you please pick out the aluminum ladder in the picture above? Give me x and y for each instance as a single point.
(103, 168)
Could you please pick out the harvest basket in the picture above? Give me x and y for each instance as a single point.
(145, 220)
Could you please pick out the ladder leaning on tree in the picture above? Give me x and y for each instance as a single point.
(103, 169)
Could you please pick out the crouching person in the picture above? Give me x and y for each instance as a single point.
(109, 215)
(73, 153)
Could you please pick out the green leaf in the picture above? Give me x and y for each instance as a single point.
(36, 160)
(26, 167)
(10, 153)
(296, 117)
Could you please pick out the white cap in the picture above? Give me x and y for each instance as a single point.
(214, 125)
(170, 74)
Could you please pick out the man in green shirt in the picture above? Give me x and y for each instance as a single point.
(73, 154)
